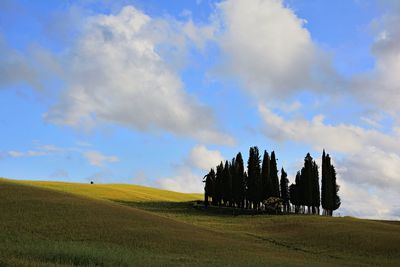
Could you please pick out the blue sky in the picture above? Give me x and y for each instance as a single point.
(157, 92)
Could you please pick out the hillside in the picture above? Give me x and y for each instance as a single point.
(43, 226)
(115, 192)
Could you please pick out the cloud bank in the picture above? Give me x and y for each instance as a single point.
(367, 170)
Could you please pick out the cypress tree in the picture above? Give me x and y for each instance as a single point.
(329, 189)
(265, 176)
(274, 176)
(219, 183)
(235, 186)
(254, 176)
(305, 183)
(294, 191)
(240, 180)
(285, 191)
(246, 203)
(324, 177)
(316, 193)
(227, 184)
(209, 186)
(335, 199)
(250, 177)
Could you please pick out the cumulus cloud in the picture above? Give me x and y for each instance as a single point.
(116, 73)
(380, 86)
(364, 202)
(373, 167)
(344, 138)
(203, 158)
(98, 159)
(185, 181)
(267, 46)
(367, 170)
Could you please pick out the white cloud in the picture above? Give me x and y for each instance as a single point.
(289, 107)
(203, 158)
(14, 68)
(29, 153)
(199, 35)
(361, 201)
(41, 150)
(372, 167)
(117, 73)
(380, 86)
(342, 138)
(269, 49)
(185, 181)
(98, 159)
(373, 122)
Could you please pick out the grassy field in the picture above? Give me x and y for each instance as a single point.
(66, 224)
(115, 192)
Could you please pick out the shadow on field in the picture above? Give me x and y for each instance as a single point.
(189, 208)
(164, 206)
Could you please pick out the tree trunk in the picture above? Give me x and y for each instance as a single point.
(205, 200)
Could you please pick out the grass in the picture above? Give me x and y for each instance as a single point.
(43, 224)
(114, 192)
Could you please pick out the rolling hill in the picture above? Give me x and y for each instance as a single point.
(68, 224)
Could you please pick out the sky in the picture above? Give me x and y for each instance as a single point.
(158, 92)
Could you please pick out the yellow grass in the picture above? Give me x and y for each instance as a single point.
(114, 192)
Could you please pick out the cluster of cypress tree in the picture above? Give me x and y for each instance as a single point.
(231, 185)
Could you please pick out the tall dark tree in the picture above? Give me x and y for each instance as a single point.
(227, 184)
(329, 189)
(266, 177)
(305, 183)
(219, 184)
(254, 176)
(232, 170)
(274, 177)
(324, 179)
(246, 203)
(316, 197)
(209, 186)
(285, 191)
(336, 199)
(239, 181)
(295, 194)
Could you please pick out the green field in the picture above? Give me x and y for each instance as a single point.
(67, 224)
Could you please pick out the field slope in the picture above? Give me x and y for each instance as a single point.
(59, 224)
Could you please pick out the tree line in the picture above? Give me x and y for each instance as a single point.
(259, 187)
